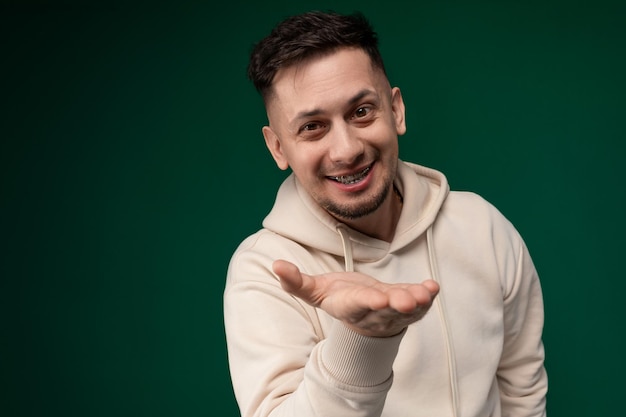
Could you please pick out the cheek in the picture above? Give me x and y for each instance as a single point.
(307, 161)
(386, 137)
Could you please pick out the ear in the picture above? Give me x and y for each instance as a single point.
(272, 141)
(397, 107)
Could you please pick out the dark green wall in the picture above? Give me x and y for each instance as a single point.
(132, 164)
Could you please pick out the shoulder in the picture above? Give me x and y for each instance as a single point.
(468, 200)
(253, 258)
(467, 215)
(470, 206)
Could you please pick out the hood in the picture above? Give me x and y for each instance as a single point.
(298, 217)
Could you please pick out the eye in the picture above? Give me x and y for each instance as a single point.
(312, 130)
(361, 112)
(310, 127)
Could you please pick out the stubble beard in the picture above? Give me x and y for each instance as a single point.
(348, 212)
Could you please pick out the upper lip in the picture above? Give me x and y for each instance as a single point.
(353, 172)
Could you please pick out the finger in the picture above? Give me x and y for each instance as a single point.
(402, 300)
(371, 299)
(289, 275)
(431, 286)
(424, 293)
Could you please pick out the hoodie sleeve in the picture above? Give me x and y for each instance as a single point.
(282, 364)
(521, 374)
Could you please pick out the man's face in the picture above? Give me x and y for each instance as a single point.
(335, 121)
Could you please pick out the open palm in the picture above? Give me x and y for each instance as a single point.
(368, 306)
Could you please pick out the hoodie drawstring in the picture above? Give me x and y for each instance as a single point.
(446, 330)
(347, 249)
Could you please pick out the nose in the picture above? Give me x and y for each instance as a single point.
(345, 147)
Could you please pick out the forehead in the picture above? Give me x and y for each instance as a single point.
(325, 80)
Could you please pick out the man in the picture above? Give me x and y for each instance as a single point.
(372, 290)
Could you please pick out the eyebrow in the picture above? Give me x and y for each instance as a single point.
(314, 112)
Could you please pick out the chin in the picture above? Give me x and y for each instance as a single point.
(356, 211)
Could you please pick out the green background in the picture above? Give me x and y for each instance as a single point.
(132, 164)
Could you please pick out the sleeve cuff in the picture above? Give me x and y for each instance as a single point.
(359, 360)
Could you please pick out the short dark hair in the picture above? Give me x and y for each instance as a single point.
(307, 35)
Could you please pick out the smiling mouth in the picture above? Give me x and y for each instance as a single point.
(352, 179)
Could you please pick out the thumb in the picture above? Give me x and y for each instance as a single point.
(289, 274)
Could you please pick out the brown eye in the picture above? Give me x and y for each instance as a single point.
(312, 130)
(361, 112)
(310, 126)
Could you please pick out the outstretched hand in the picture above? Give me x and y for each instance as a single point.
(366, 305)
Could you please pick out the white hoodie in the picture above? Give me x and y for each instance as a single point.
(477, 353)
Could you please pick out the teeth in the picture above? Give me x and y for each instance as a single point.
(351, 179)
